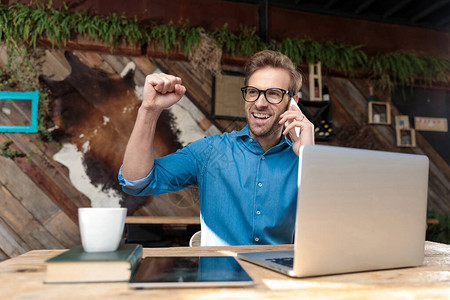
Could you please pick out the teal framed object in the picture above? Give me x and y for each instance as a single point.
(34, 97)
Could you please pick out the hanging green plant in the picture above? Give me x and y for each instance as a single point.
(20, 23)
(226, 39)
(249, 42)
(167, 37)
(189, 37)
(342, 57)
(405, 68)
(332, 55)
(164, 35)
(293, 49)
(41, 22)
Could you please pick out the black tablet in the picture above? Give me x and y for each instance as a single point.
(183, 272)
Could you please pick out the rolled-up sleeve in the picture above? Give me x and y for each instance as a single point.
(169, 173)
(133, 186)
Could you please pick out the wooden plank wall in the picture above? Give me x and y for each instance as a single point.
(199, 89)
(39, 203)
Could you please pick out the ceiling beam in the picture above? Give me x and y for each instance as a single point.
(432, 8)
(396, 8)
(363, 6)
(330, 4)
(263, 9)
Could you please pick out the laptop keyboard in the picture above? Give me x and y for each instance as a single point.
(284, 261)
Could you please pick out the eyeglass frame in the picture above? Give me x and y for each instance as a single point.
(264, 92)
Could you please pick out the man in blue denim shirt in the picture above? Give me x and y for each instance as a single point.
(247, 180)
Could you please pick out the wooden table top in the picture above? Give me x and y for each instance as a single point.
(22, 278)
(162, 220)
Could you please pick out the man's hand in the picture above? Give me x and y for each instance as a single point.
(297, 119)
(161, 91)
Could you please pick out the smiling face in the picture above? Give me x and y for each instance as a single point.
(262, 116)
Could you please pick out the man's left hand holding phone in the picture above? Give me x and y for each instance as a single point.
(299, 128)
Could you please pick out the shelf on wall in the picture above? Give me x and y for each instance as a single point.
(379, 113)
(406, 137)
(315, 81)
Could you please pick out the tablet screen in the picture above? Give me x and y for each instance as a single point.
(190, 272)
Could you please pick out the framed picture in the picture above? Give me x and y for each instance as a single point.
(402, 121)
(431, 124)
(227, 102)
(18, 111)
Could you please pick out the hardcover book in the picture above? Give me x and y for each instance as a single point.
(75, 265)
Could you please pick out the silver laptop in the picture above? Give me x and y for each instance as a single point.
(357, 210)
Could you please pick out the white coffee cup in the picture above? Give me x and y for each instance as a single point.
(101, 228)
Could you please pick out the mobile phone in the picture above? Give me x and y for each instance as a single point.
(297, 129)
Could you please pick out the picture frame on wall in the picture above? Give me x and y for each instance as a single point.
(402, 121)
(227, 100)
(431, 124)
(18, 111)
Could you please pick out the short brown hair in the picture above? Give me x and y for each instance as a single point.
(274, 59)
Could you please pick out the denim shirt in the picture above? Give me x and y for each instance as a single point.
(247, 196)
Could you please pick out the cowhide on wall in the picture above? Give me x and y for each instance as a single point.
(95, 111)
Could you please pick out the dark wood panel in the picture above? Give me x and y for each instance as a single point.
(12, 243)
(26, 191)
(52, 177)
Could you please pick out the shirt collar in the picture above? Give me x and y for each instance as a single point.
(244, 134)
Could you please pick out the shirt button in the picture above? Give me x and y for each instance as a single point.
(260, 184)
(256, 239)
(263, 158)
(258, 212)
(251, 140)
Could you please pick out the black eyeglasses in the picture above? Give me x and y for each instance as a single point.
(273, 95)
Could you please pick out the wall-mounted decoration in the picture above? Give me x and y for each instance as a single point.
(431, 124)
(402, 121)
(379, 113)
(227, 99)
(18, 111)
(426, 102)
(406, 137)
(315, 82)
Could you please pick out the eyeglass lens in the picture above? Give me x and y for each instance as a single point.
(272, 95)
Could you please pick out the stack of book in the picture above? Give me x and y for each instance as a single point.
(75, 265)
